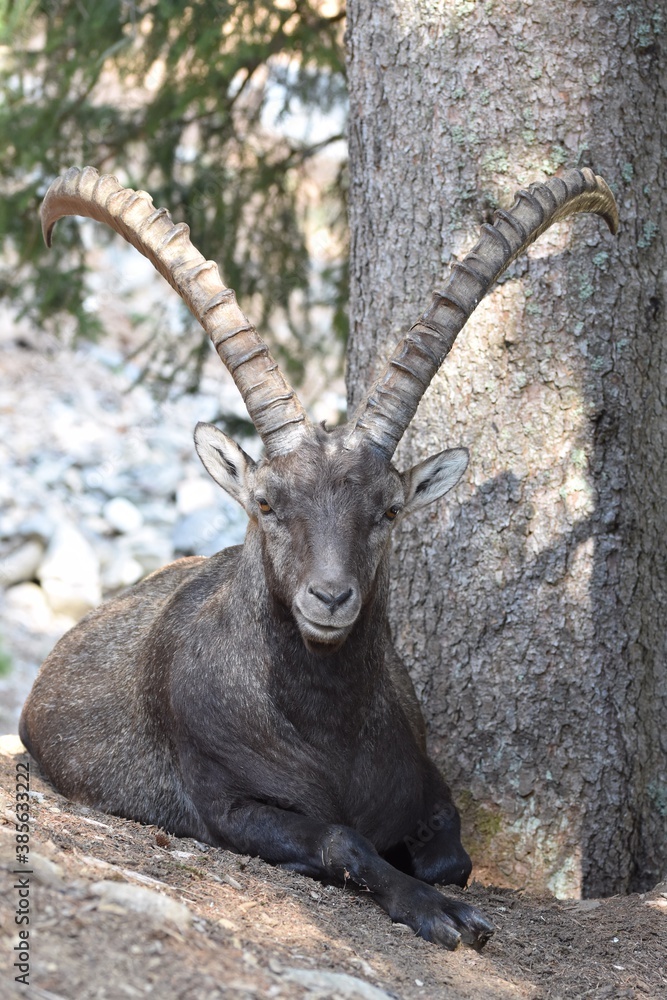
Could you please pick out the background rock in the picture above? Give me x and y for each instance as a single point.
(208, 530)
(21, 562)
(70, 574)
(122, 515)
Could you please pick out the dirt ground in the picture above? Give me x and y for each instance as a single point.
(120, 910)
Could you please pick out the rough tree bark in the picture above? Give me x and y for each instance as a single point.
(532, 609)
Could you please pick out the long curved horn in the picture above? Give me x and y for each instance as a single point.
(382, 418)
(274, 409)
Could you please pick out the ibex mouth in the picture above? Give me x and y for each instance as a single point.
(319, 635)
(326, 611)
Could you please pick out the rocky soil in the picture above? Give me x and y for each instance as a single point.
(120, 910)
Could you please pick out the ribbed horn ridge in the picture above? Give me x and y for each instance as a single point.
(272, 404)
(382, 418)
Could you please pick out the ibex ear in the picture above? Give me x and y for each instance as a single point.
(225, 462)
(433, 477)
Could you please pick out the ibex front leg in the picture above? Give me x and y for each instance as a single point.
(433, 852)
(337, 853)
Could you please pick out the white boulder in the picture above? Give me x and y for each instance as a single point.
(122, 570)
(20, 563)
(150, 548)
(122, 515)
(70, 573)
(26, 605)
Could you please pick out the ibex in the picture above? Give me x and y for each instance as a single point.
(254, 700)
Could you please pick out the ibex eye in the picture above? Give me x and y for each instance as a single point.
(392, 512)
(264, 505)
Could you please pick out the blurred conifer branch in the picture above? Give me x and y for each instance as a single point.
(174, 99)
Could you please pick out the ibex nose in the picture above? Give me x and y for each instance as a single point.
(332, 601)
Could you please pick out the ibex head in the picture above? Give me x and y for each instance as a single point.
(324, 514)
(322, 504)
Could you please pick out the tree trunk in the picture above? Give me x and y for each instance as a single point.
(532, 608)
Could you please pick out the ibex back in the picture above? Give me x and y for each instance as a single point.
(254, 700)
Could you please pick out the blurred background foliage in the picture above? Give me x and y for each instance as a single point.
(220, 110)
(5, 662)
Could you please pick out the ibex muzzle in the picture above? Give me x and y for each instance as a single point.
(254, 699)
